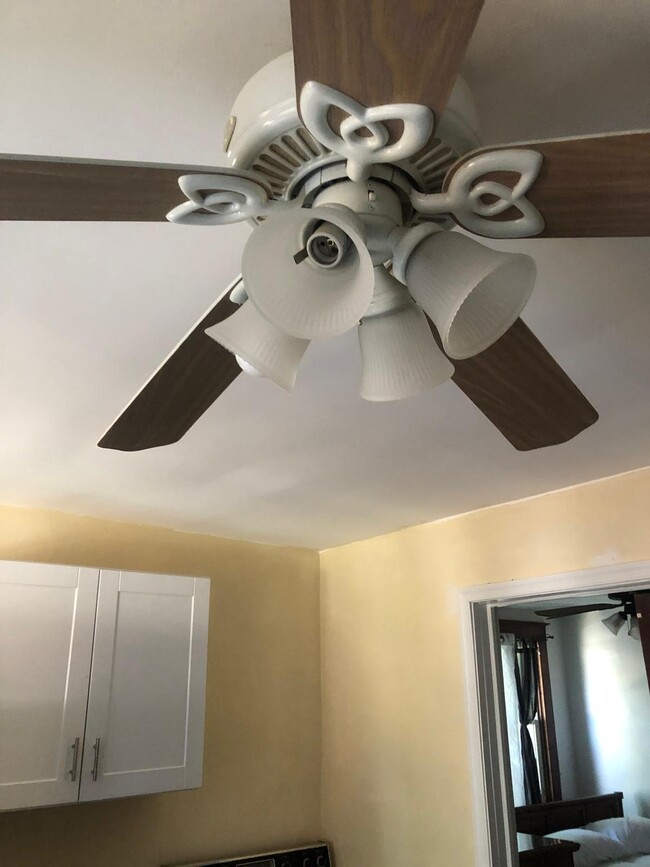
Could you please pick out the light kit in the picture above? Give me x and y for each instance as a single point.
(313, 273)
(627, 616)
(623, 606)
(310, 274)
(316, 264)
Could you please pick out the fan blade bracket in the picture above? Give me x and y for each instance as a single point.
(222, 197)
(317, 102)
(483, 205)
(589, 187)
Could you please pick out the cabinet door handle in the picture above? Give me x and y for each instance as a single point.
(75, 760)
(95, 771)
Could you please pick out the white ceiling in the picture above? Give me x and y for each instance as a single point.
(88, 311)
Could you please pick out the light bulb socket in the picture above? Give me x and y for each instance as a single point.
(327, 245)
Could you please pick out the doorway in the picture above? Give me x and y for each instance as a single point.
(495, 832)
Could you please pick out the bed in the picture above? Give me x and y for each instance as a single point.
(597, 824)
(543, 819)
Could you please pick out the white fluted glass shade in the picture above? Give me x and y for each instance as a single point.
(301, 298)
(400, 357)
(615, 622)
(472, 293)
(635, 629)
(255, 340)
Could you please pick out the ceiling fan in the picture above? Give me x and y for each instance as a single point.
(351, 187)
(626, 613)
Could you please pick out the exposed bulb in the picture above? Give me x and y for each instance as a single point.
(246, 367)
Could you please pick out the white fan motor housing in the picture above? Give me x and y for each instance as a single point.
(264, 133)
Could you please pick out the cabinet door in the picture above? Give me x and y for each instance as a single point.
(47, 616)
(147, 689)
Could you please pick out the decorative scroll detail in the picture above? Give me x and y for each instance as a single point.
(361, 151)
(465, 196)
(227, 196)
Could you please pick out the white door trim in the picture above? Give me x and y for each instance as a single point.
(488, 748)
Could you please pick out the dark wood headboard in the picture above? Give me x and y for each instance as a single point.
(541, 819)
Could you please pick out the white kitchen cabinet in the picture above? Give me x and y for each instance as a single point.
(102, 683)
(146, 707)
(47, 616)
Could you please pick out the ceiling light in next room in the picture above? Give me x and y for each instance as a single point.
(615, 622)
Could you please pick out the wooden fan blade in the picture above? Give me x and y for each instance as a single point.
(180, 391)
(555, 613)
(588, 187)
(54, 188)
(523, 391)
(383, 51)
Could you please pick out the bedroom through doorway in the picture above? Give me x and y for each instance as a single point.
(577, 698)
(558, 696)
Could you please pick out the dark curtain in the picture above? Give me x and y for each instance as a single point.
(527, 677)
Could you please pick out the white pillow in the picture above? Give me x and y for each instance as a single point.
(633, 832)
(594, 849)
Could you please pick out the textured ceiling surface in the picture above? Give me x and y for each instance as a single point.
(88, 311)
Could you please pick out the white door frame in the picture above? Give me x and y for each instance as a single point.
(488, 747)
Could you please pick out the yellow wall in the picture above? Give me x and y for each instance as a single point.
(262, 745)
(395, 776)
(395, 766)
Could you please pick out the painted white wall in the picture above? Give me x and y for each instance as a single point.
(609, 710)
